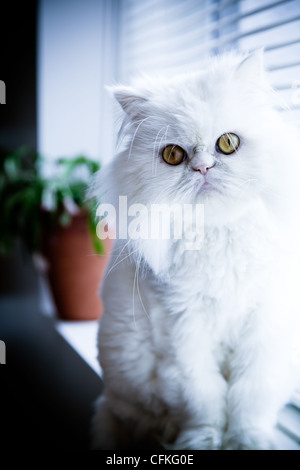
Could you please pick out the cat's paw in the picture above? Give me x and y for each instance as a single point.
(250, 439)
(200, 438)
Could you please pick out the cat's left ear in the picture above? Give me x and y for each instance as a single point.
(251, 69)
(132, 102)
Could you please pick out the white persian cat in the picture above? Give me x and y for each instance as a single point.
(199, 346)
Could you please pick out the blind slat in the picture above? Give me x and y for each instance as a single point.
(231, 38)
(183, 24)
(284, 66)
(177, 35)
(205, 8)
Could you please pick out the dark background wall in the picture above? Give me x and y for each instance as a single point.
(18, 117)
(18, 71)
(46, 390)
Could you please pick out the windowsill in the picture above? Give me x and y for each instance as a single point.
(82, 336)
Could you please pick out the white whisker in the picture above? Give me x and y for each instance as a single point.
(135, 133)
(123, 259)
(133, 294)
(139, 293)
(154, 159)
(118, 256)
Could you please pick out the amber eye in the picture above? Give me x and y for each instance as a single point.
(228, 143)
(173, 154)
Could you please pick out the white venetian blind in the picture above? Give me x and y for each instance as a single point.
(174, 35)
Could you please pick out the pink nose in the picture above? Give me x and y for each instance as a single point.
(203, 162)
(203, 168)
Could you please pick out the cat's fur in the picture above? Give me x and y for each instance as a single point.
(197, 347)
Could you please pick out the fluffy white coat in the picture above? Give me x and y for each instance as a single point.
(199, 348)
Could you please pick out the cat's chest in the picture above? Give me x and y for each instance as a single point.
(208, 299)
(226, 274)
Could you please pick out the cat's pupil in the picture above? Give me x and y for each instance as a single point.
(228, 141)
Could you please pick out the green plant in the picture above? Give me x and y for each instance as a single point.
(32, 202)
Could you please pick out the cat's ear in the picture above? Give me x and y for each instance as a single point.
(251, 69)
(132, 102)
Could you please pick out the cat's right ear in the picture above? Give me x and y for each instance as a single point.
(131, 101)
(252, 67)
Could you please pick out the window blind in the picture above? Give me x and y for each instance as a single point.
(170, 36)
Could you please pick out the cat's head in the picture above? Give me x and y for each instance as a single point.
(213, 138)
(210, 137)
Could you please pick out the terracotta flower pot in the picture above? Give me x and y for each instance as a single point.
(75, 271)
